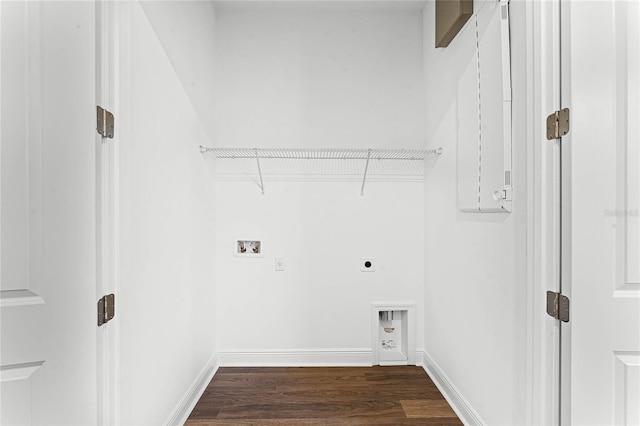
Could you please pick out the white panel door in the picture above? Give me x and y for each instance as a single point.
(48, 215)
(601, 212)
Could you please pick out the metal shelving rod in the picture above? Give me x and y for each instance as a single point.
(364, 178)
(321, 154)
(322, 164)
(260, 172)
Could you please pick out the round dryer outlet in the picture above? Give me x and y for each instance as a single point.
(367, 264)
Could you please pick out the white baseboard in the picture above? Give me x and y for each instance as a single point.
(460, 405)
(181, 412)
(297, 358)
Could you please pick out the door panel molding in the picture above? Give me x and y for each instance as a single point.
(23, 308)
(627, 390)
(11, 373)
(21, 297)
(626, 214)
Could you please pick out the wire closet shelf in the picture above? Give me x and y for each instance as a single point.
(279, 164)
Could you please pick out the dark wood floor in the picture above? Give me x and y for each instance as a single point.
(322, 396)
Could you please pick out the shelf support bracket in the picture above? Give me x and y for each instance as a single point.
(259, 172)
(366, 167)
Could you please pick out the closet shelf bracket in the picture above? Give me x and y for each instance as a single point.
(366, 167)
(259, 173)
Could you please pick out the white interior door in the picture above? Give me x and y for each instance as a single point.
(48, 212)
(601, 209)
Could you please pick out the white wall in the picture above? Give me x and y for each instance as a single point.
(167, 293)
(475, 265)
(186, 31)
(317, 76)
(322, 301)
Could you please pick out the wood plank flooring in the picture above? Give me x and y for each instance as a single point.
(322, 396)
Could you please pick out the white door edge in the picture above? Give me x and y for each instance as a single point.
(107, 196)
(543, 242)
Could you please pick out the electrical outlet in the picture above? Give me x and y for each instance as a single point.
(279, 263)
(367, 264)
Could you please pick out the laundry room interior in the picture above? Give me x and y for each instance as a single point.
(310, 138)
(320, 136)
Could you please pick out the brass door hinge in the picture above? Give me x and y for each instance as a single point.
(558, 124)
(558, 306)
(106, 309)
(105, 122)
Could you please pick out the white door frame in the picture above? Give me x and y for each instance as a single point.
(107, 208)
(565, 234)
(543, 218)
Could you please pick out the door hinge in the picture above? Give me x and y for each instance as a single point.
(106, 309)
(558, 124)
(105, 122)
(558, 306)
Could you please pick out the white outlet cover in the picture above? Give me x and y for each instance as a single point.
(367, 264)
(279, 263)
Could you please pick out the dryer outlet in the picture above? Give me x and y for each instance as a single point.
(367, 264)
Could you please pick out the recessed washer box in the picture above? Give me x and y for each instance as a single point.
(247, 248)
(393, 333)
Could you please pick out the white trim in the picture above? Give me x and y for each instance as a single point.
(21, 297)
(108, 91)
(543, 93)
(463, 409)
(565, 206)
(420, 357)
(15, 372)
(181, 412)
(348, 357)
(0, 139)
